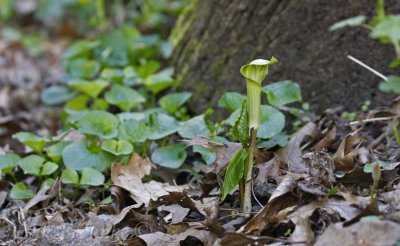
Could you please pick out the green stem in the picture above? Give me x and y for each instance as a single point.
(253, 99)
(101, 14)
(249, 172)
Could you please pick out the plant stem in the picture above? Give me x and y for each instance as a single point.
(249, 172)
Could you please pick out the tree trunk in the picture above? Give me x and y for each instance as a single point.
(213, 38)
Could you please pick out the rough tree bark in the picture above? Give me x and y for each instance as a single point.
(213, 38)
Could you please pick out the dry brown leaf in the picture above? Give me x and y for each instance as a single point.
(39, 197)
(129, 177)
(178, 213)
(291, 154)
(327, 140)
(270, 168)
(345, 154)
(392, 198)
(362, 233)
(302, 232)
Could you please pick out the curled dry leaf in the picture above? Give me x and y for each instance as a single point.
(345, 154)
(327, 140)
(271, 168)
(291, 154)
(129, 177)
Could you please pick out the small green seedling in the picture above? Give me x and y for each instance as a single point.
(245, 130)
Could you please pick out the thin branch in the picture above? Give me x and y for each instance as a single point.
(358, 122)
(367, 67)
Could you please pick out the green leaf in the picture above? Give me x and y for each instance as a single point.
(114, 75)
(48, 168)
(56, 95)
(90, 88)
(233, 117)
(77, 156)
(77, 104)
(69, 176)
(283, 92)
(31, 164)
(8, 161)
(117, 147)
(54, 152)
(353, 21)
(91, 177)
(388, 28)
(231, 101)
(159, 81)
(124, 97)
(391, 85)
(172, 102)
(147, 69)
(240, 130)
(234, 172)
(83, 69)
(196, 126)
(98, 123)
(161, 125)
(208, 155)
(171, 156)
(272, 122)
(29, 139)
(80, 48)
(280, 140)
(100, 104)
(257, 70)
(21, 192)
(134, 131)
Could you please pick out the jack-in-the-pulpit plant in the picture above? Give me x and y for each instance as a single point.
(240, 168)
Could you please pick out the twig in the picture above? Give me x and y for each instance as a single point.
(12, 225)
(367, 67)
(358, 122)
(238, 214)
(21, 217)
(255, 198)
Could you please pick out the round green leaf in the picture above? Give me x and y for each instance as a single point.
(81, 48)
(117, 147)
(283, 92)
(31, 140)
(77, 104)
(8, 161)
(171, 156)
(194, 127)
(54, 152)
(55, 95)
(31, 164)
(83, 68)
(124, 97)
(77, 156)
(91, 177)
(161, 125)
(21, 192)
(208, 155)
(91, 88)
(48, 168)
(134, 131)
(159, 81)
(99, 123)
(272, 122)
(172, 102)
(69, 176)
(231, 101)
(388, 28)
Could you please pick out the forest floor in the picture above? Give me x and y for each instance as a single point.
(334, 183)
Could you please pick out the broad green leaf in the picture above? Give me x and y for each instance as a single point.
(233, 117)
(69, 176)
(114, 75)
(98, 123)
(231, 101)
(391, 85)
(388, 28)
(161, 125)
(234, 172)
(80, 49)
(29, 139)
(100, 104)
(77, 104)
(134, 131)
(90, 176)
(208, 155)
(8, 161)
(147, 69)
(353, 21)
(130, 77)
(117, 147)
(83, 69)
(272, 122)
(240, 130)
(172, 102)
(77, 156)
(91, 88)
(48, 168)
(171, 156)
(159, 81)
(196, 126)
(283, 92)
(56, 95)
(31, 164)
(21, 192)
(280, 140)
(124, 97)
